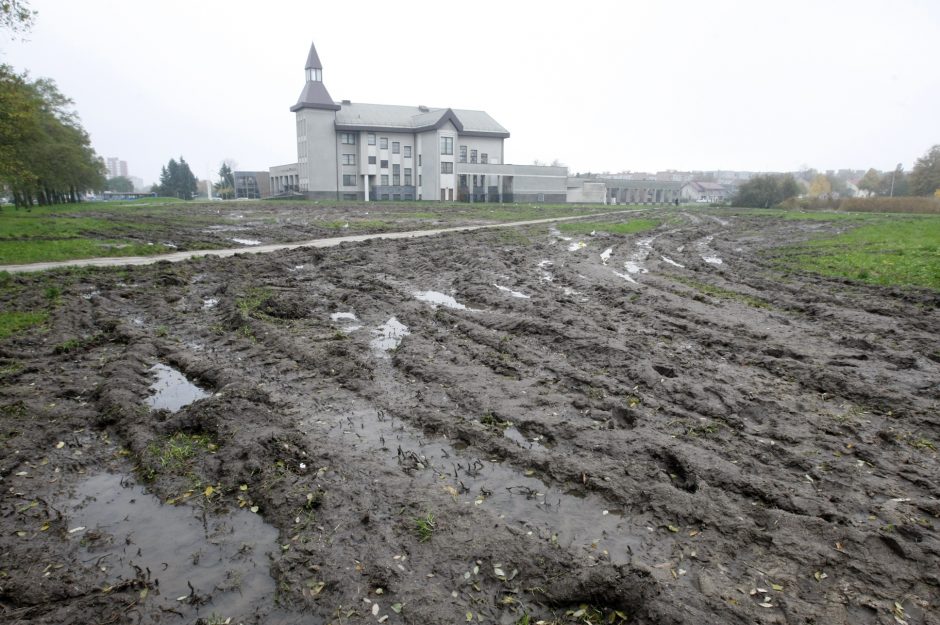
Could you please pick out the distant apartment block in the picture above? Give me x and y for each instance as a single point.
(353, 151)
(116, 167)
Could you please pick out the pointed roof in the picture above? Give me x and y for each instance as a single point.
(313, 59)
(315, 96)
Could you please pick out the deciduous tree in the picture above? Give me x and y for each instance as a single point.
(766, 191)
(925, 177)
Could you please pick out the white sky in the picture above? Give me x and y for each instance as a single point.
(764, 85)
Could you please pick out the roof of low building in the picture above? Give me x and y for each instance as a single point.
(395, 118)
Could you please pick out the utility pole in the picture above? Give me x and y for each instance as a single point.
(893, 176)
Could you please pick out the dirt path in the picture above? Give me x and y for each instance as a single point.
(654, 428)
(176, 257)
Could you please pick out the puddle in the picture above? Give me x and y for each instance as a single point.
(224, 558)
(436, 298)
(389, 335)
(171, 390)
(246, 241)
(511, 292)
(576, 245)
(210, 302)
(546, 275)
(672, 262)
(555, 232)
(625, 276)
(637, 262)
(346, 320)
(541, 511)
(92, 294)
(605, 255)
(707, 254)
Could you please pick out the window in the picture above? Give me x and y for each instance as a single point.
(396, 168)
(447, 145)
(396, 180)
(384, 180)
(372, 160)
(347, 138)
(473, 156)
(419, 160)
(407, 176)
(407, 151)
(396, 147)
(350, 196)
(371, 138)
(383, 143)
(384, 164)
(349, 159)
(396, 197)
(420, 180)
(349, 180)
(484, 158)
(463, 154)
(385, 196)
(447, 168)
(409, 196)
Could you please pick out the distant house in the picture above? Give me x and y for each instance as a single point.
(710, 192)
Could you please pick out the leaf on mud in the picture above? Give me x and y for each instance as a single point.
(60, 445)
(694, 533)
(315, 586)
(819, 575)
(452, 491)
(469, 616)
(529, 472)
(766, 605)
(243, 487)
(144, 593)
(21, 534)
(44, 527)
(396, 608)
(375, 609)
(673, 528)
(254, 509)
(29, 506)
(777, 587)
(498, 572)
(208, 492)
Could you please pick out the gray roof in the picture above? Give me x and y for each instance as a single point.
(313, 59)
(315, 96)
(394, 118)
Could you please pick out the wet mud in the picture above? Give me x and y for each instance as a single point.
(486, 426)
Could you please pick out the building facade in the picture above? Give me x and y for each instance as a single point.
(352, 151)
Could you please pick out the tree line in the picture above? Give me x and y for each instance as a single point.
(764, 191)
(45, 155)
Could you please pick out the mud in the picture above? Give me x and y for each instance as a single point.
(647, 436)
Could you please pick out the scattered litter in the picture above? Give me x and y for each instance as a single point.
(511, 292)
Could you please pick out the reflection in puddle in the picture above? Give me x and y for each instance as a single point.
(605, 255)
(246, 241)
(712, 260)
(511, 292)
(626, 277)
(546, 276)
(518, 497)
(389, 335)
(347, 320)
(708, 254)
(224, 558)
(514, 434)
(436, 298)
(171, 390)
(555, 232)
(672, 262)
(209, 302)
(576, 245)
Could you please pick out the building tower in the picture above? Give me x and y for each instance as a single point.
(316, 127)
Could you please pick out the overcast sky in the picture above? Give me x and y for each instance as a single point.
(761, 85)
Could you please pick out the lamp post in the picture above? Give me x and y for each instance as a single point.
(893, 176)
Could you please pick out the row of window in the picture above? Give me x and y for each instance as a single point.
(447, 147)
(349, 180)
(484, 157)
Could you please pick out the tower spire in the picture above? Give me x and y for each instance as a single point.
(314, 95)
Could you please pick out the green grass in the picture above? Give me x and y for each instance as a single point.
(889, 252)
(721, 293)
(425, 526)
(12, 322)
(176, 452)
(624, 227)
(43, 250)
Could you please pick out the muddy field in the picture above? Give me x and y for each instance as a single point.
(506, 426)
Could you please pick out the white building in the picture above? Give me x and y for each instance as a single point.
(352, 151)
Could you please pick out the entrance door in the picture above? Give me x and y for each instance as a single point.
(450, 195)
(443, 195)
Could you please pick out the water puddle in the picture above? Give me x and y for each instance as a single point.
(574, 246)
(389, 335)
(707, 254)
(171, 390)
(555, 232)
(435, 299)
(512, 433)
(625, 276)
(672, 262)
(516, 294)
(347, 320)
(637, 262)
(540, 511)
(605, 255)
(246, 241)
(127, 532)
(209, 303)
(546, 276)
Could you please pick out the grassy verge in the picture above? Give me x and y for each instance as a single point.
(891, 252)
(621, 227)
(12, 322)
(43, 250)
(721, 293)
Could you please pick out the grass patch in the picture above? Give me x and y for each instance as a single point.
(250, 303)
(43, 250)
(176, 452)
(12, 322)
(622, 227)
(721, 293)
(890, 252)
(425, 526)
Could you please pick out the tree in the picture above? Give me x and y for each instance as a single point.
(820, 186)
(766, 191)
(225, 187)
(45, 154)
(870, 182)
(925, 177)
(120, 184)
(177, 180)
(16, 16)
